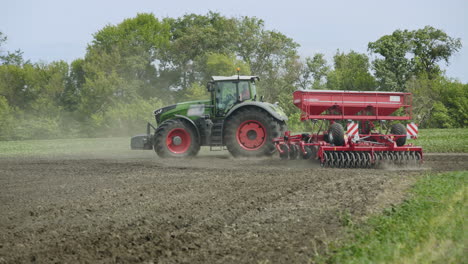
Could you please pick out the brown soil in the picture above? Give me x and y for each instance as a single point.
(210, 209)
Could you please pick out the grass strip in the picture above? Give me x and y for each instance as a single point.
(429, 227)
(443, 140)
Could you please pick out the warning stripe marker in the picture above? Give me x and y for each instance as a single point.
(411, 130)
(353, 129)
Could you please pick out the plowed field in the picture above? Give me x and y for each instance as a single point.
(209, 209)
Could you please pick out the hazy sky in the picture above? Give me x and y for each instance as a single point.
(50, 30)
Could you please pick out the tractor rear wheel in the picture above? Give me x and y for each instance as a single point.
(250, 132)
(176, 139)
(399, 129)
(336, 134)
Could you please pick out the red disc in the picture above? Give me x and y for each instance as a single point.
(251, 135)
(178, 140)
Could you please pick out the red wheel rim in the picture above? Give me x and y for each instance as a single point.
(178, 140)
(251, 135)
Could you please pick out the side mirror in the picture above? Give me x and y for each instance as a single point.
(209, 87)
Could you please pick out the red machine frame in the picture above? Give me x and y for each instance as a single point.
(363, 149)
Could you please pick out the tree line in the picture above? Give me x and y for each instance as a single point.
(144, 63)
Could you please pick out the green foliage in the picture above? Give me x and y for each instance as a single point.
(11, 58)
(126, 53)
(409, 54)
(7, 119)
(351, 72)
(296, 125)
(429, 46)
(409, 62)
(439, 102)
(142, 34)
(313, 72)
(440, 116)
(318, 69)
(197, 92)
(429, 227)
(218, 64)
(395, 69)
(121, 118)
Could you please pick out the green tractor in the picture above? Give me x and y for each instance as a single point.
(234, 118)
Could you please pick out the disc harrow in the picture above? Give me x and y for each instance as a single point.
(364, 159)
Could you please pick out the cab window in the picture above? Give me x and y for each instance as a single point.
(244, 91)
(226, 95)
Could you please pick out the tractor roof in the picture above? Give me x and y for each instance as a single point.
(234, 78)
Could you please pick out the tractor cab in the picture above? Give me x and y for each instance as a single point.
(227, 92)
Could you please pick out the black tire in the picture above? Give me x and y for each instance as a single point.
(399, 129)
(285, 154)
(311, 152)
(336, 134)
(308, 153)
(186, 146)
(294, 152)
(260, 129)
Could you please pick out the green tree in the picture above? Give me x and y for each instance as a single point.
(394, 69)
(130, 50)
(7, 119)
(439, 103)
(408, 54)
(314, 72)
(429, 47)
(10, 58)
(119, 68)
(212, 64)
(192, 36)
(71, 96)
(351, 72)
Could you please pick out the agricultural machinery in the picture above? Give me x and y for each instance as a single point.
(363, 144)
(234, 117)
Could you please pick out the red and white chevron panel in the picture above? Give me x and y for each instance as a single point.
(352, 129)
(411, 130)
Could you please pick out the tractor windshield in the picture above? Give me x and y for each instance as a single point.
(226, 94)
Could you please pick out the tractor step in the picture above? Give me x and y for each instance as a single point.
(216, 139)
(217, 148)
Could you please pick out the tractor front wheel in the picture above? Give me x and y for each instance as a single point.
(175, 138)
(250, 132)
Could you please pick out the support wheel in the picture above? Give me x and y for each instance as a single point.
(285, 154)
(176, 139)
(336, 134)
(293, 152)
(399, 129)
(250, 132)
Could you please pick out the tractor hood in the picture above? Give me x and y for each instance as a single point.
(183, 108)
